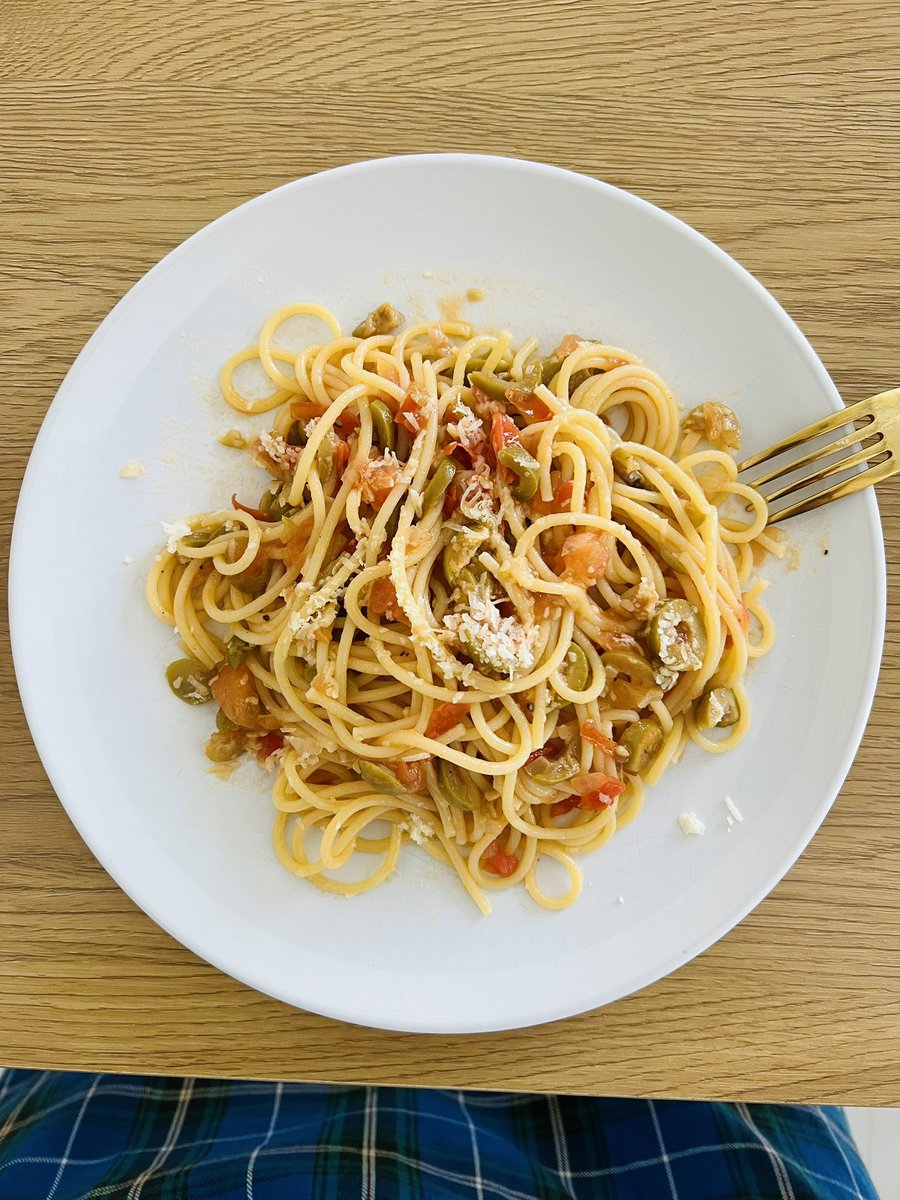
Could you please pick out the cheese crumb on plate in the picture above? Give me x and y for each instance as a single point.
(691, 825)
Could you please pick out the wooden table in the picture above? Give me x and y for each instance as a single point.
(774, 129)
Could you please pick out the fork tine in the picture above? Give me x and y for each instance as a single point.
(827, 425)
(843, 443)
(853, 460)
(875, 474)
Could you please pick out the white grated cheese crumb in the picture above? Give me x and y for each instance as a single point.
(503, 643)
(620, 900)
(131, 470)
(691, 825)
(420, 831)
(175, 532)
(127, 559)
(734, 813)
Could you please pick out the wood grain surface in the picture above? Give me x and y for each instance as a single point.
(773, 128)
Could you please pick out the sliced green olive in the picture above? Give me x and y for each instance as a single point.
(381, 778)
(676, 635)
(393, 523)
(382, 425)
(552, 770)
(309, 672)
(325, 457)
(575, 668)
(296, 434)
(461, 548)
(642, 740)
(255, 579)
(383, 319)
(717, 708)
(526, 469)
(267, 501)
(453, 786)
(627, 467)
(235, 651)
(492, 386)
(629, 664)
(439, 482)
(202, 537)
(577, 378)
(718, 424)
(189, 680)
(225, 746)
(224, 724)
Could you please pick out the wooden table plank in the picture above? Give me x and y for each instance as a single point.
(125, 128)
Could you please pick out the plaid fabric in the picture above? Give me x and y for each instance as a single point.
(72, 1136)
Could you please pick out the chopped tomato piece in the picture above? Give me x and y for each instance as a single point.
(295, 546)
(592, 781)
(451, 499)
(383, 600)
(496, 860)
(254, 512)
(409, 414)
(528, 404)
(444, 718)
(553, 749)
(341, 457)
(504, 432)
(268, 746)
(568, 345)
(235, 693)
(591, 732)
(561, 502)
(411, 775)
(306, 410)
(596, 790)
(585, 557)
(561, 807)
(378, 478)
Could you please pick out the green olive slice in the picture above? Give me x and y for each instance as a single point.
(717, 708)
(453, 786)
(189, 680)
(381, 778)
(642, 740)
(676, 636)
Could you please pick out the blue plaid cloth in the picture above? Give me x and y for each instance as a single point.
(70, 1136)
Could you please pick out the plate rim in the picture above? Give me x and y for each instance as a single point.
(42, 738)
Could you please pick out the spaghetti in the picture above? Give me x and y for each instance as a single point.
(486, 598)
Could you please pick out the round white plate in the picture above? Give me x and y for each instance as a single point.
(554, 252)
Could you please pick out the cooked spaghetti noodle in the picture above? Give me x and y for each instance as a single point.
(485, 599)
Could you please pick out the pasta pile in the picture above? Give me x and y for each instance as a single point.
(487, 596)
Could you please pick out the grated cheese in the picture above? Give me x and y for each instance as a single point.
(734, 813)
(502, 642)
(317, 609)
(127, 559)
(644, 599)
(691, 825)
(477, 501)
(131, 470)
(468, 430)
(419, 831)
(175, 532)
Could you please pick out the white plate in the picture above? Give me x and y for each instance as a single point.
(554, 252)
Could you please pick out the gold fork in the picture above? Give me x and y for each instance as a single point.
(881, 432)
